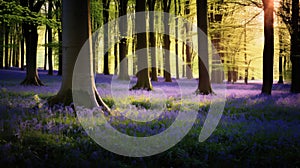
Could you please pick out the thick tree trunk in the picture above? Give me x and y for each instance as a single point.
(268, 54)
(31, 40)
(295, 44)
(204, 85)
(143, 81)
(74, 36)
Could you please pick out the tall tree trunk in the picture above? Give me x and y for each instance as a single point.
(31, 40)
(123, 69)
(1, 44)
(268, 54)
(152, 40)
(166, 39)
(22, 50)
(143, 81)
(188, 44)
(204, 85)
(60, 55)
(6, 44)
(105, 20)
(176, 38)
(50, 40)
(281, 49)
(58, 19)
(295, 44)
(74, 11)
(46, 50)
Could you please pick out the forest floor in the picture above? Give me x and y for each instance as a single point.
(254, 130)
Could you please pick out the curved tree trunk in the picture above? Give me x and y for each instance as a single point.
(74, 36)
(204, 85)
(268, 54)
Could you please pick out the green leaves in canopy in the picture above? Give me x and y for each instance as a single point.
(11, 12)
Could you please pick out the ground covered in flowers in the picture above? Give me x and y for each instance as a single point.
(254, 130)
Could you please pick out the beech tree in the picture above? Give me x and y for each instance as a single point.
(268, 53)
(295, 44)
(74, 36)
(123, 70)
(204, 85)
(143, 81)
(166, 41)
(31, 39)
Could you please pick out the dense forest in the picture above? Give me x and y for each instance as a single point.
(133, 58)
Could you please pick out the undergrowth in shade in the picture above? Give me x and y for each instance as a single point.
(254, 131)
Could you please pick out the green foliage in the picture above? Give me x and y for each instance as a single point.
(12, 12)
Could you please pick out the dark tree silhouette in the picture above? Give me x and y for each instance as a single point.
(152, 40)
(105, 20)
(268, 54)
(50, 40)
(166, 41)
(204, 85)
(143, 81)
(295, 51)
(123, 71)
(31, 40)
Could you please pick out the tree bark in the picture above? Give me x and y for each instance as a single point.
(58, 19)
(50, 40)
(143, 81)
(74, 36)
(204, 85)
(268, 53)
(1, 45)
(6, 44)
(188, 44)
(166, 41)
(123, 70)
(105, 21)
(22, 50)
(31, 40)
(152, 40)
(295, 44)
